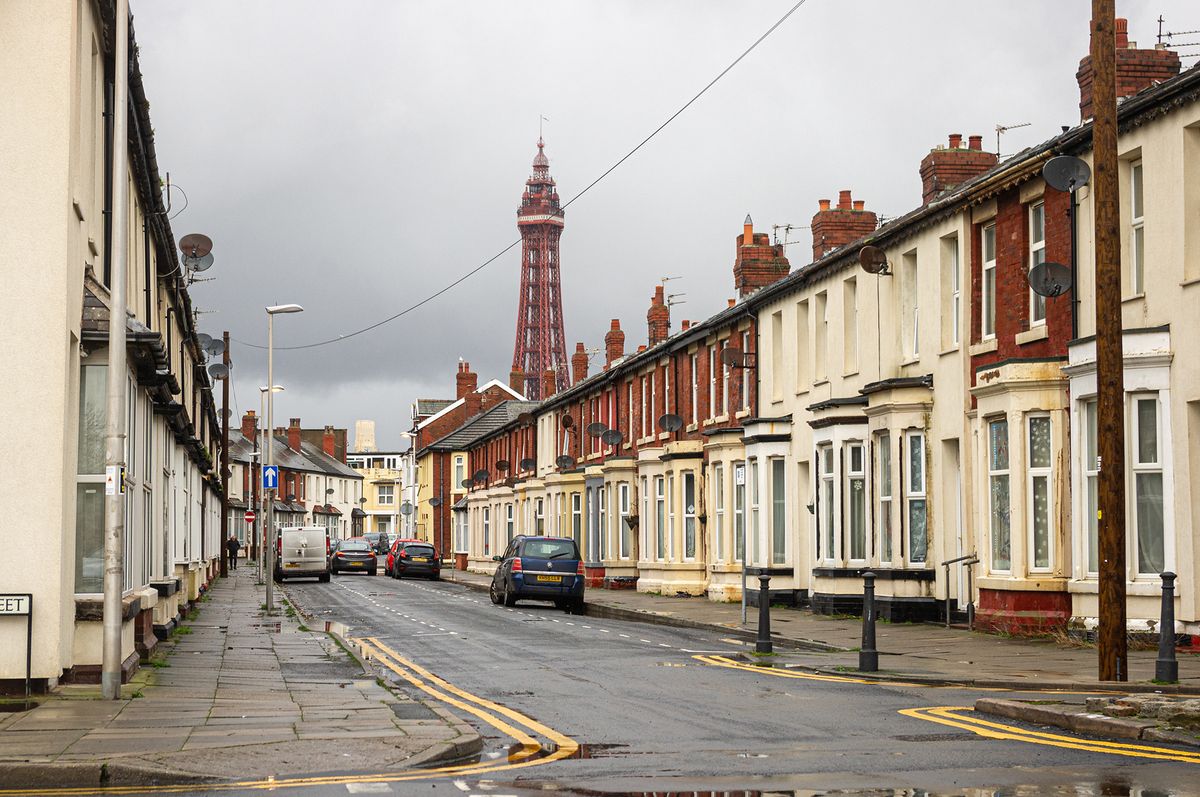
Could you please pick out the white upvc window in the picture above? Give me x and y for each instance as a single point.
(746, 370)
(667, 387)
(509, 524)
(1037, 255)
(856, 500)
(623, 512)
(1000, 519)
(689, 515)
(646, 410)
(724, 381)
(884, 481)
(600, 546)
(915, 498)
(577, 519)
(987, 315)
(652, 416)
(386, 494)
(739, 512)
(459, 474)
(1137, 230)
(694, 362)
(540, 516)
(826, 537)
(718, 500)
(1147, 467)
(644, 551)
(629, 406)
(955, 291)
(778, 510)
(670, 542)
(660, 527)
(1040, 489)
(713, 365)
(487, 531)
(1091, 477)
(754, 527)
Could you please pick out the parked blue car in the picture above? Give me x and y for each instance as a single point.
(539, 568)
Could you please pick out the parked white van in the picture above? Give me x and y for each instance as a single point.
(302, 552)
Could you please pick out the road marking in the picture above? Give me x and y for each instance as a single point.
(461, 785)
(368, 788)
(623, 636)
(953, 717)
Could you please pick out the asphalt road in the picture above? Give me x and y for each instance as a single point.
(651, 717)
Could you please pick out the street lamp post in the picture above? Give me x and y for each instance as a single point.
(270, 452)
(261, 442)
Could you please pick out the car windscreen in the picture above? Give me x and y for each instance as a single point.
(419, 550)
(549, 549)
(354, 547)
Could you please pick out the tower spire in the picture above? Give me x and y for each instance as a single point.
(540, 344)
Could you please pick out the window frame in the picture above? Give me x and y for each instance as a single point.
(717, 483)
(853, 475)
(1137, 228)
(690, 543)
(1037, 255)
(987, 296)
(660, 517)
(826, 470)
(739, 513)
(1033, 474)
(995, 473)
(778, 537)
(1137, 470)
(885, 480)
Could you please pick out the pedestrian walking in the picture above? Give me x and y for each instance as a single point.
(232, 546)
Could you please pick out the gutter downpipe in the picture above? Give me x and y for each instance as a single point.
(117, 379)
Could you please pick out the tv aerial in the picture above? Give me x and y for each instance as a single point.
(612, 437)
(1050, 279)
(670, 422)
(1066, 173)
(874, 260)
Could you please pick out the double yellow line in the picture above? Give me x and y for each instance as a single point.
(960, 717)
(523, 729)
(963, 717)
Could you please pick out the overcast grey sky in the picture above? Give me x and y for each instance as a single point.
(354, 157)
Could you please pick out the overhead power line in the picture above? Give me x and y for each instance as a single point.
(568, 203)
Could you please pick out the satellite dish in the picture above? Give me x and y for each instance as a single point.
(204, 340)
(596, 429)
(481, 475)
(203, 263)
(435, 501)
(612, 437)
(195, 245)
(217, 347)
(502, 465)
(1066, 173)
(873, 260)
(670, 423)
(467, 483)
(406, 508)
(529, 463)
(732, 357)
(567, 421)
(218, 370)
(1049, 279)
(565, 462)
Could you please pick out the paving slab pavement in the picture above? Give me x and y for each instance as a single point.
(907, 651)
(241, 695)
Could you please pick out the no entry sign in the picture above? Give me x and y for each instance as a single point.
(250, 515)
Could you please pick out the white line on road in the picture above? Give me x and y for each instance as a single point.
(461, 785)
(368, 788)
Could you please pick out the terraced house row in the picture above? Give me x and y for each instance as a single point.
(831, 420)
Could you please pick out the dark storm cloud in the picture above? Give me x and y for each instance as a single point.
(356, 157)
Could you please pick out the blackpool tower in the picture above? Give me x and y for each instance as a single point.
(540, 341)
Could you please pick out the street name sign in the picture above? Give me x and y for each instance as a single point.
(16, 604)
(21, 605)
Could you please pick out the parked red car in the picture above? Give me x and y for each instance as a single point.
(413, 558)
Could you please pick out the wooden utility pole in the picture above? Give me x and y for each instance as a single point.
(222, 548)
(1110, 382)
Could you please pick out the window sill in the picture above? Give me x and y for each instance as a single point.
(848, 374)
(1133, 298)
(1190, 281)
(984, 347)
(950, 350)
(1040, 332)
(820, 382)
(910, 361)
(741, 414)
(691, 427)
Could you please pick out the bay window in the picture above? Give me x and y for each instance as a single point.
(856, 498)
(998, 495)
(825, 508)
(884, 481)
(778, 511)
(1147, 484)
(1041, 499)
(689, 515)
(918, 532)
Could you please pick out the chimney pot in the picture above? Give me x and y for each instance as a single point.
(976, 143)
(1122, 33)
(579, 364)
(249, 424)
(658, 318)
(731, 302)
(844, 200)
(686, 325)
(823, 204)
(834, 230)
(859, 204)
(465, 381)
(293, 434)
(955, 140)
(614, 343)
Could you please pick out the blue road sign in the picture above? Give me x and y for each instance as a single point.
(270, 477)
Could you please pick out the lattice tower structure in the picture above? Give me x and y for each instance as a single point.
(540, 344)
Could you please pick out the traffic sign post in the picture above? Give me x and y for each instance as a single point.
(250, 516)
(17, 605)
(270, 477)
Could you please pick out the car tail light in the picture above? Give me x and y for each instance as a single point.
(404, 554)
(579, 569)
(327, 546)
(516, 565)
(339, 553)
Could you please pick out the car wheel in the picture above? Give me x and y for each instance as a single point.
(561, 604)
(323, 578)
(509, 598)
(575, 606)
(494, 594)
(435, 577)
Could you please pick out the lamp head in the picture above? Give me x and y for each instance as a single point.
(276, 389)
(284, 308)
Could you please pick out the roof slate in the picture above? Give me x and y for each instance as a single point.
(482, 425)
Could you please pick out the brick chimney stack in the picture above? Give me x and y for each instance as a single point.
(293, 434)
(614, 343)
(579, 365)
(249, 425)
(1136, 69)
(328, 442)
(658, 318)
(516, 380)
(472, 405)
(944, 168)
(465, 381)
(833, 228)
(758, 262)
(549, 383)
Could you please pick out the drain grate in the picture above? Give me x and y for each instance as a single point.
(938, 737)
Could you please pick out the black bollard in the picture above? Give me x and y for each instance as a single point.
(868, 656)
(1166, 668)
(763, 644)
